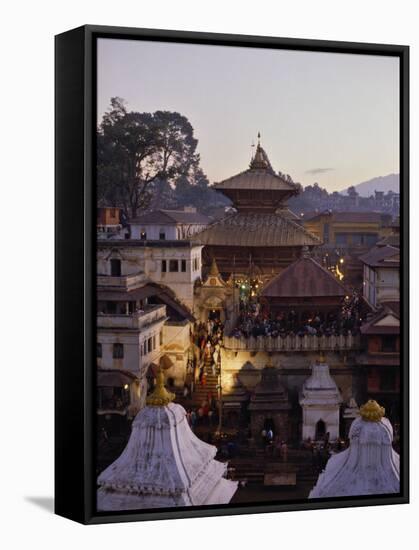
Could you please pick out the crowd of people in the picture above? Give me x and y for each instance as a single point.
(255, 321)
(203, 361)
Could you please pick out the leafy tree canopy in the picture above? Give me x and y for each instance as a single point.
(139, 151)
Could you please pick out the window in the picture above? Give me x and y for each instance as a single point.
(162, 235)
(388, 379)
(118, 351)
(143, 235)
(173, 266)
(149, 345)
(326, 232)
(161, 337)
(163, 266)
(389, 344)
(115, 268)
(98, 350)
(154, 342)
(341, 238)
(183, 265)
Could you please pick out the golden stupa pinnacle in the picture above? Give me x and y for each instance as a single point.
(160, 397)
(214, 268)
(372, 411)
(322, 359)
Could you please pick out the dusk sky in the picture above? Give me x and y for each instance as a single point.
(330, 118)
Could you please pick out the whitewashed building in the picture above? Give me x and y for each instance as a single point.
(129, 328)
(175, 264)
(168, 224)
(381, 275)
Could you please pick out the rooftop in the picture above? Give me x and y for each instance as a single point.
(385, 321)
(259, 177)
(138, 243)
(382, 256)
(256, 229)
(347, 217)
(164, 217)
(304, 278)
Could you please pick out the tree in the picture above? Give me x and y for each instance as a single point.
(135, 150)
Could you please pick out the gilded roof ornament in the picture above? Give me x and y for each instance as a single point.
(160, 397)
(372, 411)
(322, 359)
(214, 268)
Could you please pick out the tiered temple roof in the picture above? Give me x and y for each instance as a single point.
(304, 278)
(262, 218)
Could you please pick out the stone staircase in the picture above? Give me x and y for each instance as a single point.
(201, 391)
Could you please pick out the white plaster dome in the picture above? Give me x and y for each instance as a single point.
(369, 466)
(164, 464)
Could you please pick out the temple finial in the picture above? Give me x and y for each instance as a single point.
(214, 268)
(371, 411)
(159, 397)
(258, 139)
(322, 359)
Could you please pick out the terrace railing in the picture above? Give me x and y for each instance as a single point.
(293, 343)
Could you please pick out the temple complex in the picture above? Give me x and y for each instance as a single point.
(164, 464)
(369, 466)
(262, 236)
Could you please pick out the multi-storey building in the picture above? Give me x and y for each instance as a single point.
(381, 275)
(168, 224)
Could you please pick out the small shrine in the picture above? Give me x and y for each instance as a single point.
(320, 400)
(214, 297)
(234, 398)
(269, 405)
(350, 412)
(370, 466)
(164, 464)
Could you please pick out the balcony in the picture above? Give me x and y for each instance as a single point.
(288, 343)
(139, 320)
(124, 282)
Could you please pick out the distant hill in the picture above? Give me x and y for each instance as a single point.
(381, 183)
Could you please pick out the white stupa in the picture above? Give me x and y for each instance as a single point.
(369, 466)
(320, 400)
(164, 464)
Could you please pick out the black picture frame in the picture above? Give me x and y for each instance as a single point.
(75, 241)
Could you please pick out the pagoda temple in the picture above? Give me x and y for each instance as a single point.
(164, 464)
(262, 236)
(304, 285)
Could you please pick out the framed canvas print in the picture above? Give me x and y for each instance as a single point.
(231, 274)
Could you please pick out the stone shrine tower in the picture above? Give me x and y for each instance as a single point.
(369, 466)
(164, 463)
(320, 400)
(269, 405)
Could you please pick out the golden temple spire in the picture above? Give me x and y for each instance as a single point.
(322, 359)
(160, 397)
(260, 159)
(214, 268)
(371, 411)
